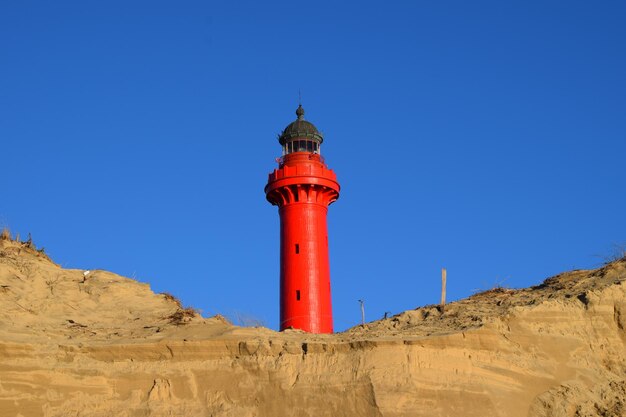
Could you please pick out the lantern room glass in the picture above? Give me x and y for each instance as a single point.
(310, 146)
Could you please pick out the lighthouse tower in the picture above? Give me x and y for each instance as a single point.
(302, 187)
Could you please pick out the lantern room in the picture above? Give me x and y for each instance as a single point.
(300, 136)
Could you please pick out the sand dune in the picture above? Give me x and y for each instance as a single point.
(98, 344)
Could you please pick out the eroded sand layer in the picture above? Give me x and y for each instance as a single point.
(102, 345)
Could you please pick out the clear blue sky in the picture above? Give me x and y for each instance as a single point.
(485, 137)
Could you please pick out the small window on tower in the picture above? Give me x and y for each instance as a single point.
(309, 146)
(297, 248)
(297, 295)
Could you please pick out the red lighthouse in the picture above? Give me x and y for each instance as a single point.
(302, 187)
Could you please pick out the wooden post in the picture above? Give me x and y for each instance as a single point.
(362, 312)
(443, 286)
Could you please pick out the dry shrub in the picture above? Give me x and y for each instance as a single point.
(172, 298)
(223, 319)
(6, 234)
(51, 283)
(182, 316)
(11, 256)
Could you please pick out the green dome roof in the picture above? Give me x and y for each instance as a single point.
(300, 129)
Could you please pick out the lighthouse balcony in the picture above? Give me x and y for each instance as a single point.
(299, 157)
(317, 171)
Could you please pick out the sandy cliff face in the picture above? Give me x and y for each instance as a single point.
(102, 345)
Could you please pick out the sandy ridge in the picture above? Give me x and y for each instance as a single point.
(97, 344)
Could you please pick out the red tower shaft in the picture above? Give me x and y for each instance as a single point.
(303, 187)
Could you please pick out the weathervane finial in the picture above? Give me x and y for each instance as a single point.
(300, 112)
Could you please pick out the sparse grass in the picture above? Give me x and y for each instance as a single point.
(28, 245)
(618, 253)
(247, 320)
(222, 319)
(497, 286)
(494, 290)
